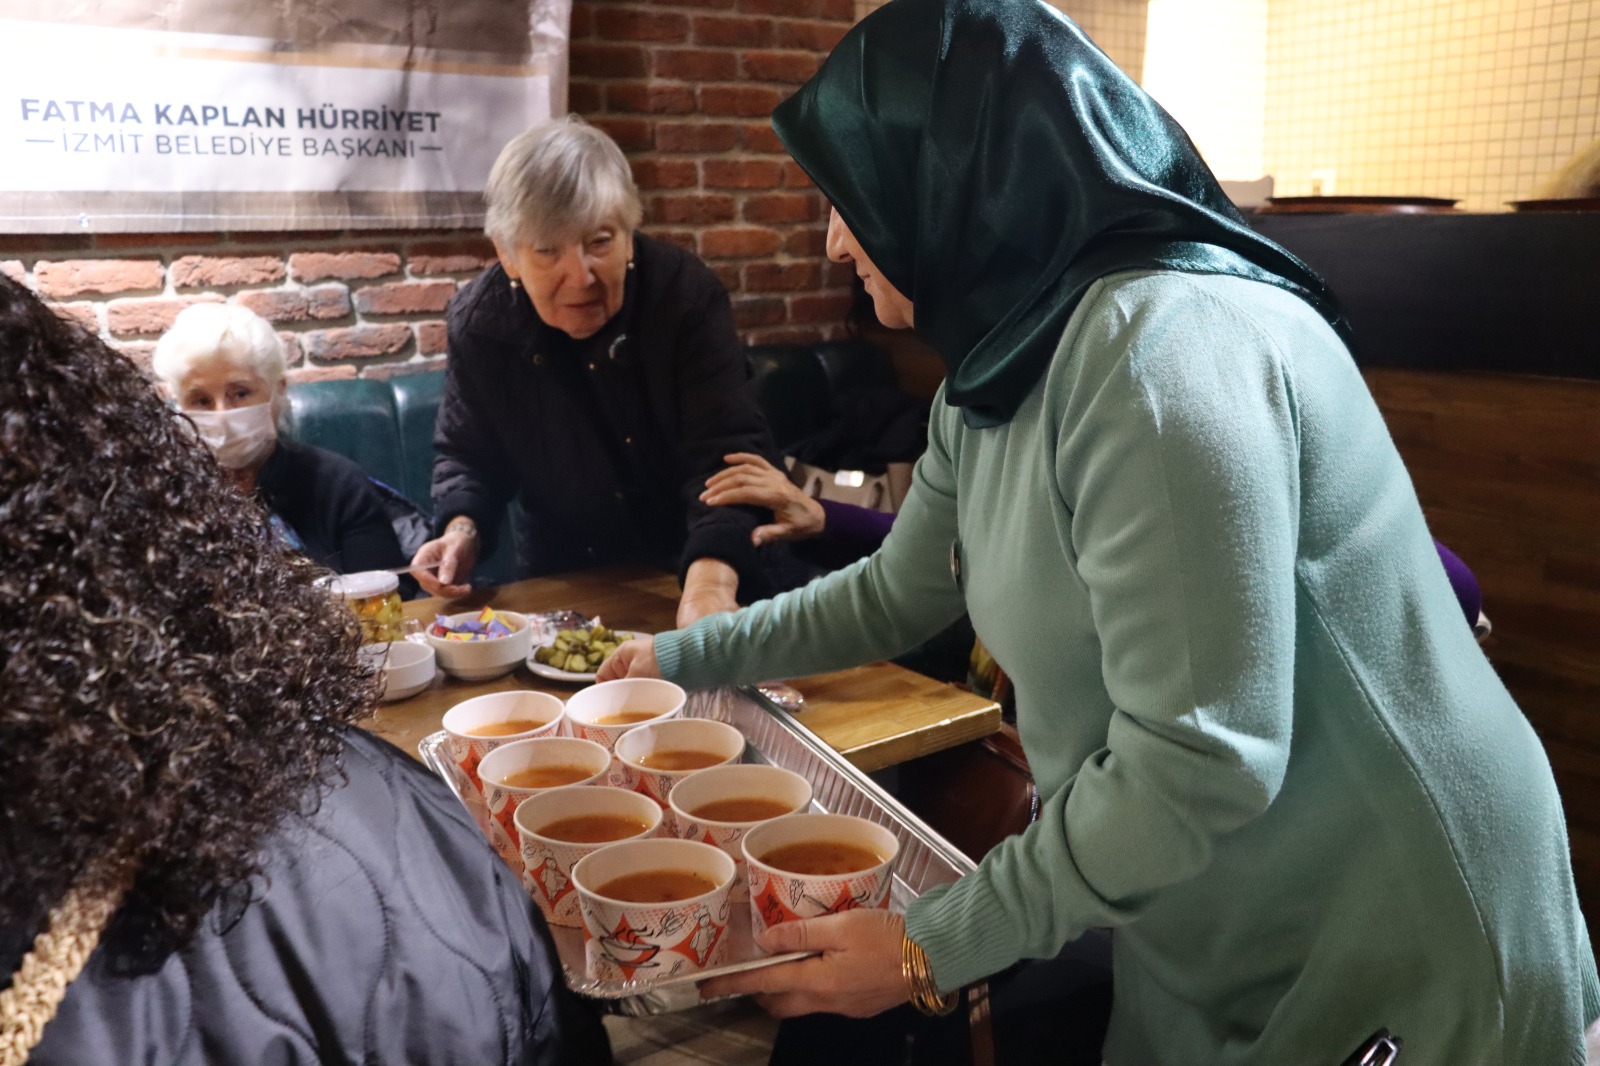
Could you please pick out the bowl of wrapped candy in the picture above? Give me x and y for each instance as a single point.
(480, 645)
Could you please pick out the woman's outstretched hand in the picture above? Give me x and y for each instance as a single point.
(858, 973)
(634, 658)
(750, 480)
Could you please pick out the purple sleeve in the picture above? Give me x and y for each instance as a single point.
(1461, 580)
(850, 533)
(856, 523)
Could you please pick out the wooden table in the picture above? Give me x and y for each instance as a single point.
(875, 715)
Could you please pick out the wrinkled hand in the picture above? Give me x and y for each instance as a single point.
(455, 555)
(858, 973)
(710, 586)
(695, 606)
(634, 658)
(751, 480)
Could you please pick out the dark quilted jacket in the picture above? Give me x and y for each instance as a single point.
(390, 933)
(605, 444)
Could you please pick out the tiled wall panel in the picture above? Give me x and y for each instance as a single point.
(1117, 26)
(1478, 100)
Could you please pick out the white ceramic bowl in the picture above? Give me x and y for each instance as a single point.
(407, 667)
(481, 660)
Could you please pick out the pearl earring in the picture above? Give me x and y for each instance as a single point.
(516, 285)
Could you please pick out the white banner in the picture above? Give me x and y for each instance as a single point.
(119, 128)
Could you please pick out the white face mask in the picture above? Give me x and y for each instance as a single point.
(240, 437)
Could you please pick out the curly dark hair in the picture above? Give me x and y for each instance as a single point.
(175, 686)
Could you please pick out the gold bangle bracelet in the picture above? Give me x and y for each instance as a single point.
(918, 972)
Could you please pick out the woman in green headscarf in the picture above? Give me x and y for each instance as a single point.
(1274, 761)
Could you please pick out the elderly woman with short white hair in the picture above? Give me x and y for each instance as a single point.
(594, 381)
(224, 367)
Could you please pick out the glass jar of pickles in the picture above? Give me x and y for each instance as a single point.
(374, 596)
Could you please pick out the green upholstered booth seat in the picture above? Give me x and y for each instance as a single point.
(356, 418)
(416, 405)
(386, 426)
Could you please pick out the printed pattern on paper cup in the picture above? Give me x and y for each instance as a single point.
(657, 785)
(547, 861)
(728, 838)
(502, 804)
(775, 898)
(546, 877)
(651, 943)
(467, 755)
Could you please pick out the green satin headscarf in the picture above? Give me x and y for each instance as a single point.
(994, 164)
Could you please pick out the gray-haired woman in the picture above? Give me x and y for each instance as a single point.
(224, 367)
(595, 380)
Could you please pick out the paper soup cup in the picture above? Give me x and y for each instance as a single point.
(547, 860)
(627, 941)
(502, 767)
(591, 712)
(467, 748)
(717, 784)
(779, 895)
(702, 737)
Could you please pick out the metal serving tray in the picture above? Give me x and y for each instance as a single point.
(926, 859)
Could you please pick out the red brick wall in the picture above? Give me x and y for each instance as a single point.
(685, 86)
(344, 303)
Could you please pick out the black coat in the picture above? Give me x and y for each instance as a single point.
(389, 932)
(327, 501)
(604, 443)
